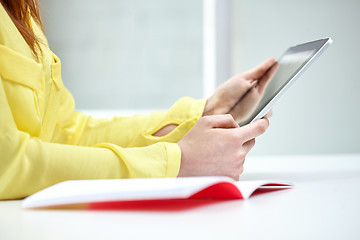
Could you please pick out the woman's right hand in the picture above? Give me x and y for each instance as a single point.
(217, 146)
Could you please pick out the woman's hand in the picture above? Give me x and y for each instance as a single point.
(225, 99)
(230, 96)
(217, 146)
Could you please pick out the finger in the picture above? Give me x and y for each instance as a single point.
(266, 78)
(237, 113)
(220, 121)
(261, 69)
(247, 86)
(253, 129)
(269, 114)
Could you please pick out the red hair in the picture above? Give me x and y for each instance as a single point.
(21, 12)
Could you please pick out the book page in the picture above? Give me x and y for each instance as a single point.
(86, 191)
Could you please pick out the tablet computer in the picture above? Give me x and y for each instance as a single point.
(288, 68)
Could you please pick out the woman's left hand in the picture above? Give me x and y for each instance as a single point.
(226, 97)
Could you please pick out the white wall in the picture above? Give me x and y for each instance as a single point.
(320, 113)
(128, 54)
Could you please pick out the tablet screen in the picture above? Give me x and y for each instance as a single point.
(288, 67)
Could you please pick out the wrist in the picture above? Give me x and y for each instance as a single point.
(183, 172)
(209, 108)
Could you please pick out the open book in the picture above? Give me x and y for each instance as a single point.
(97, 192)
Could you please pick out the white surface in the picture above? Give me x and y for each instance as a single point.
(323, 205)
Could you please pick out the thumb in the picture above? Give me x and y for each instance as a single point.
(261, 69)
(220, 121)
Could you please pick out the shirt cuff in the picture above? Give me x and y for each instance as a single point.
(173, 152)
(197, 108)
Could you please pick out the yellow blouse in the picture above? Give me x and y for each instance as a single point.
(43, 140)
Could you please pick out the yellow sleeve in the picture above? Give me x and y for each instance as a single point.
(28, 164)
(134, 131)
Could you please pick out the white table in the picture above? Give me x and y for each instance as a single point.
(323, 205)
